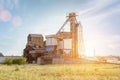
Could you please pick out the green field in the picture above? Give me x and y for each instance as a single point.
(60, 72)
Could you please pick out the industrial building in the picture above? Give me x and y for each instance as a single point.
(57, 47)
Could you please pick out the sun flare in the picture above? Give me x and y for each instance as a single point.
(89, 52)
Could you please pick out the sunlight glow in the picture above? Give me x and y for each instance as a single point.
(89, 52)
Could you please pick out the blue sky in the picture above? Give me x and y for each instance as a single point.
(100, 20)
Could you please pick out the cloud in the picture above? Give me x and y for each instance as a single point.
(4, 45)
(17, 21)
(5, 15)
(97, 6)
(9, 38)
(97, 11)
(94, 18)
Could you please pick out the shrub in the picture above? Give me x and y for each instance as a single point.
(8, 61)
(18, 61)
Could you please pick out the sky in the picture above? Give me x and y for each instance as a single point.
(100, 20)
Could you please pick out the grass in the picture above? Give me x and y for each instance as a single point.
(60, 72)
